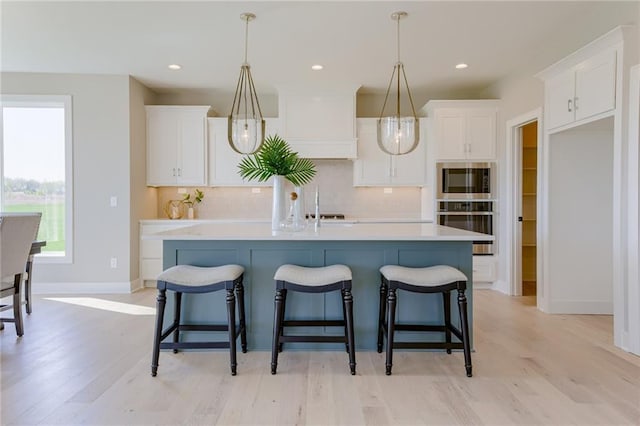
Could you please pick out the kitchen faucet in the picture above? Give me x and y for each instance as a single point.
(317, 218)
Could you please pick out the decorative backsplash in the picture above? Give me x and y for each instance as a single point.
(337, 195)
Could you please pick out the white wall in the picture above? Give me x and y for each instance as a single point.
(580, 240)
(142, 198)
(518, 95)
(101, 169)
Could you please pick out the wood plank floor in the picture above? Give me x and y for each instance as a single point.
(91, 365)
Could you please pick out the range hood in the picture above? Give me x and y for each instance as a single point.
(319, 122)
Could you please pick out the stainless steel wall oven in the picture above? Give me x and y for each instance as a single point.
(465, 181)
(466, 200)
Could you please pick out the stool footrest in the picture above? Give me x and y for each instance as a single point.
(204, 327)
(194, 345)
(313, 323)
(419, 327)
(321, 339)
(427, 345)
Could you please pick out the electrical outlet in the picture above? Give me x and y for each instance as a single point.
(182, 190)
(256, 190)
(113, 201)
(114, 262)
(388, 190)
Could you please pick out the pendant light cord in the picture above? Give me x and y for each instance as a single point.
(246, 39)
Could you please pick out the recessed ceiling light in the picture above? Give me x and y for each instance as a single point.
(461, 66)
(175, 67)
(317, 67)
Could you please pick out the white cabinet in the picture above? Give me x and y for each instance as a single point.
(319, 122)
(583, 91)
(151, 250)
(176, 145)
(484, 269)
(223, 161)
(376, 168)
(464, 130)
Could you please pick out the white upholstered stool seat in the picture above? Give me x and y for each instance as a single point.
(323, 275)
(195, 276)
(321, 279)
(441, 279)
(429, 277)
(197, 280)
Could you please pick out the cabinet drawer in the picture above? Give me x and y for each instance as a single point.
(151, 249)
(150, 268)
(483, 269)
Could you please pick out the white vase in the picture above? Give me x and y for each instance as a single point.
(278, 211)
(191, 213)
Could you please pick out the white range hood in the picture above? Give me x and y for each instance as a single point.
(319, 122)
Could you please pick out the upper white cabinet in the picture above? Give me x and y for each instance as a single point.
(376, 168)
(223, 161)
(582, 91)
(463, 130)
(319, 122)
(176, 145)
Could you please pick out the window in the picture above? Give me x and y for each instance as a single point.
(36, 166)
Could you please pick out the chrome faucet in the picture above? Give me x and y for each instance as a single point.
(317, 218)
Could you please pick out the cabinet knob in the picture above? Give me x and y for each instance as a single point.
(569, 105)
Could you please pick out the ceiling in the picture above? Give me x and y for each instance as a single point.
(355, 41)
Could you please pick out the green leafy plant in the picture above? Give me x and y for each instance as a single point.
(276, 158)
(197, 198)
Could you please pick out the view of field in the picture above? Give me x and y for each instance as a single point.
(52, 223)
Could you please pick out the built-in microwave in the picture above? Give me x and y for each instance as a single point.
(465, 181)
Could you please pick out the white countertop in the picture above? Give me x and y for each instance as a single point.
(328, 231)
(347, 220)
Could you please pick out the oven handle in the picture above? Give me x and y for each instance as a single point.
(443, 213)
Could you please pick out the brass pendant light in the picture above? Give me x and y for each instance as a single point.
(398, 134)
(245, 123)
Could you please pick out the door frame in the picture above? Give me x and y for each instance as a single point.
(513, 207)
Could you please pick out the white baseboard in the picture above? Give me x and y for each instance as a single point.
(502, 287)
(589, 307)
(85, 287)
(482, 286)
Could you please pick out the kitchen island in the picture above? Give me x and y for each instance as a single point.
(362, 247)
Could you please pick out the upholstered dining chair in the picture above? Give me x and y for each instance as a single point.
(17, 233)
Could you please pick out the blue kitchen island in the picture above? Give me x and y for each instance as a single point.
(362, 247)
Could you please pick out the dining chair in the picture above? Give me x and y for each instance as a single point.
(17, 233)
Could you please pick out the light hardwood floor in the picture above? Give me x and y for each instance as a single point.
(84, 365)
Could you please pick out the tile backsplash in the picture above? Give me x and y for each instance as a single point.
(334, 179)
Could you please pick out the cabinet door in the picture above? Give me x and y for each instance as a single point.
(596, 85)
(373, 166)
(450, 133)
(223, 161)
(162, 141)
(481, 134)
(410, 169)
(559, 93)
(192, 149)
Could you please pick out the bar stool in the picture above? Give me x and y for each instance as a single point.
(435, 279)
(313, 280)
(193, 279)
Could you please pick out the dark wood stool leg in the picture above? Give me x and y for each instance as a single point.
(446, 301)
(348, 318)
(391, 315)
(231, 315)
(464, 324)
(243, 324)
(381, 314)
(176, 319)
(161, 302)
(277, 326)
(344, 316)
(27, 283)
(283, 307)
(17, 305)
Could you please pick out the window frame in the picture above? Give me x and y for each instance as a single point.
(48, 101)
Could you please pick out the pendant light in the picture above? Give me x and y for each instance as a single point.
(245, 124)
(398, 134)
